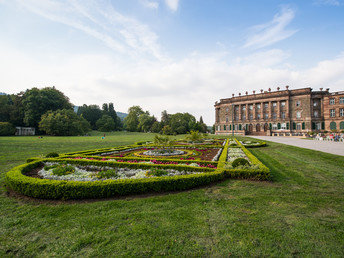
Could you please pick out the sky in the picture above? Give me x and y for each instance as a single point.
(174, 55)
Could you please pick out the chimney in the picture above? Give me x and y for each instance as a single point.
(278, 88)
(261, 90)
(287, 87)
(269, 89)
(246, 92)
(321, 89)
(254, 92)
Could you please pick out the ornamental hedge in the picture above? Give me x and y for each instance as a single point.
(17, 179)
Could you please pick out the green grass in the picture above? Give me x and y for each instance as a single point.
(300, 213)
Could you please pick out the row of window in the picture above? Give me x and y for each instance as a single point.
(333, 112)
(333, 101)
(333, 125)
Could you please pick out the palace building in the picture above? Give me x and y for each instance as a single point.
(280, 113)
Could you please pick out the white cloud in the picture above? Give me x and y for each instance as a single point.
(100, 20)
(172, 4)
(189, 85)
(150, 4)
(328, 2)
(269, 33)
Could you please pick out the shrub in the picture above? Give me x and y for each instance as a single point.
(239, 162)
(62, 170)
(7, 128)
(156, 172)
(52, 155)
(110, 173)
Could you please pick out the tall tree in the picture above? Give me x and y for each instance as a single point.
(165, 118)
(91, 113)
(37, 102)
(106, 124)
(131, 122)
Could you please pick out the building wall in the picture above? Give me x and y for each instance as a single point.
(304, 110)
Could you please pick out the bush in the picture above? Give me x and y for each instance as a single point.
(157, 172)
(110, 173)
(52, 155)
(62, 170)
(7, 128)
(240, 162)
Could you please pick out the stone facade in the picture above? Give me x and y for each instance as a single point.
(281, 112)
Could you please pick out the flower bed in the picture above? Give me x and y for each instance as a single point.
(82, 175)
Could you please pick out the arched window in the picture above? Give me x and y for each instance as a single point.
(333, 126)
(303, 126)
(341, 125)
(239, 127)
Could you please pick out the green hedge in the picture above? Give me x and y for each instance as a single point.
(60, 189)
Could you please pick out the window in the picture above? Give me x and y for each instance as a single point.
(333, 126)
(266, 105)
(283, 126)
(266, 115)
(236, 127)
(316, 113)
(224, 127)
(250, 107)
(274, 126)
(227, 109)
(274, 104)
(332, 113)
(341, 100)
(341, 112)
(283, 104)
(258, 116)
(283, 115)
(236, 117)
(243, 117)
(315, 103)
(243, 108)
(237, 108)
(318, 126)
(341, 125)
(298, 103)
(258, 106)
(298, 114)
(227, 119)
(332, 101)
(274, 115)
(251, 117)
(219, 128)
(298, 126)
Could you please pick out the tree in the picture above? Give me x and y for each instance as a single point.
(11, 109)
(167, 130)
(131, 122)
(63, 122)
(182, 123)
(146, 122)
(165, 118)
(91, 113)
(7, 128)
(156, 127)
(37, 102)
(106, 124)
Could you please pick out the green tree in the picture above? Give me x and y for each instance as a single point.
(146, 122)
(167, 130)
(182, 123)
(165, 118)
(37, 102)
(131, 122)
(91, 113)
(156, 127)
(7, 128)
(106, 124)
(11, 109)
(63, 122)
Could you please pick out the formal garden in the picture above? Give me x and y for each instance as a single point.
(179, 205)
(143, 167)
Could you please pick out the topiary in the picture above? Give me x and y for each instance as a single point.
(52, 155)
(240, 162)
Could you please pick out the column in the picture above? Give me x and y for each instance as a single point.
(279, 109)
(262, 110)
(240, 112)
(287, 115)
(270, 109)
(247, 112)
(254, 111)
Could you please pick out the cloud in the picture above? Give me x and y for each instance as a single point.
(172, 4)
(327, 2)
(150, 4)
(191, 85)
(269, 33)
(100, 20)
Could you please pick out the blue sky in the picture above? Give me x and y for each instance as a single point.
(178, 55)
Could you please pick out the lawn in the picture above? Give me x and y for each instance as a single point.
(299, 213)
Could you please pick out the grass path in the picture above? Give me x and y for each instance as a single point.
(300, 213)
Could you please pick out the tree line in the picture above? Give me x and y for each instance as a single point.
(51, 112)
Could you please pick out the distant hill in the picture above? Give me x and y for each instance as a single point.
(3, 93)
(121, 115)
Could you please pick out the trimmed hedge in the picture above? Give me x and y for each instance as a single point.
(61, 189)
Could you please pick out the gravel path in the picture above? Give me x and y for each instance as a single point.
(324, 146)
